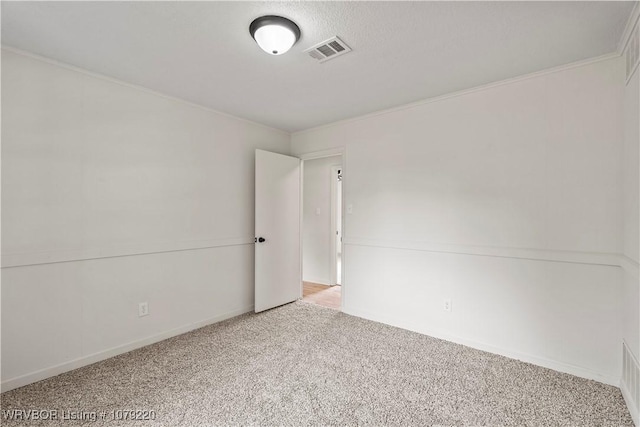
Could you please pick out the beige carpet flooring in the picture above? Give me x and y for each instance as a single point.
(302, 364)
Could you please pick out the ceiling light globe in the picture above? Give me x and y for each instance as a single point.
(274, 34)
(274, 39)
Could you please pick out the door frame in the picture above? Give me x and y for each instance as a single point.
(334, 225)
(332, 152)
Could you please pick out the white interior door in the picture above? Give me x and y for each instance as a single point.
(277, 247)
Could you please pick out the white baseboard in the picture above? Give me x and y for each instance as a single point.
(630, 382)
(52, 371)
(318, 281)
(512, 354)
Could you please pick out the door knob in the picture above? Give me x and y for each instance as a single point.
(261, 239)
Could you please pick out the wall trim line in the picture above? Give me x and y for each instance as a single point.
(555, 365)
(594, 258)
(11, 260)
(631, 266)
(89, 359)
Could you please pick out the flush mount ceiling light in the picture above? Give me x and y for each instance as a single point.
(274, 34)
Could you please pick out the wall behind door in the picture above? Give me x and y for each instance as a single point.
(113, 195)
(317, 235)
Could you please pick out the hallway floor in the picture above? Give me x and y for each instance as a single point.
(326, 296)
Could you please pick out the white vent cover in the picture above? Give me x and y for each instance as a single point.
(328, 49)
(632, 54)
(630, 383)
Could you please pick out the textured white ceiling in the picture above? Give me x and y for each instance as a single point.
(402, 51)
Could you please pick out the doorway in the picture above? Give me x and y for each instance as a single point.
(322, 217)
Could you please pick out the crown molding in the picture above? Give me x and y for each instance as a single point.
(632, 21)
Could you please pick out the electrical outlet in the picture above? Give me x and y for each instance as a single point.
(143, 309)
(447, 305)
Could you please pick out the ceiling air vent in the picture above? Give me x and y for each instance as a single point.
(328, 49)
(632, 54)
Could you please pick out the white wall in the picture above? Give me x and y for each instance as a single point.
(631, 214)
(630, 382)
(317, 234)
(506, 199)
(134, 197)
